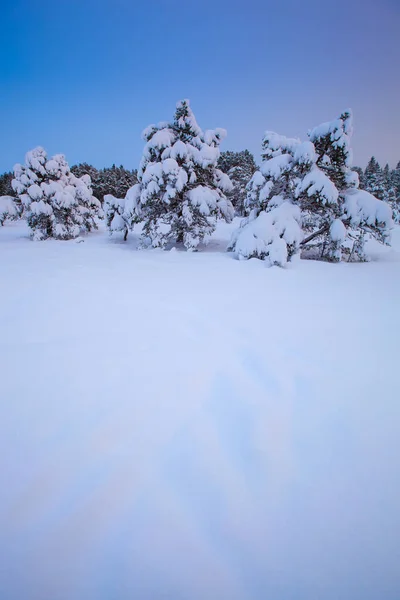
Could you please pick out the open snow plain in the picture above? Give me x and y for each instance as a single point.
(182, 425)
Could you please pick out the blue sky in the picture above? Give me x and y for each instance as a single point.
(86, 77)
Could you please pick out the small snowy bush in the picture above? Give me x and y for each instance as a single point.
(325, 215)
(114, 214)
(55, 203)
(181, 192)
(8, 209)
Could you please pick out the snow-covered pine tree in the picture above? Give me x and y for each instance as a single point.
(356, 212)
(55, 203)
(373, 179)
(181, 191)
(239, 166)
(360, 173)
(272, 231)
(324, 230)
(324, 211)
(390, 192)
(95, 177)
(5, 184)
(396, 185)
(396, 180)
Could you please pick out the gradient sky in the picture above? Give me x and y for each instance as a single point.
(85, 77)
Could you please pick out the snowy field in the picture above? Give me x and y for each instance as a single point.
(188, 426)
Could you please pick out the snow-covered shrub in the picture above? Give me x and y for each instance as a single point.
(315, 177)
(181, 192)
(8, 209)
(121, 213)
(273, 235)
(56, 203)
(114, 214)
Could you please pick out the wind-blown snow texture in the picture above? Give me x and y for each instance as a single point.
(189, 426)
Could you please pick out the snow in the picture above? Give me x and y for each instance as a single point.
(222, 181)
(304, 154)
(161, 139)
(275, 144)
(35, 191)
(258, 179)
(337, 231)
(363, 207)
(204, 197)
(316, 182)
(35, 159)
(179, 425)
(274, 167)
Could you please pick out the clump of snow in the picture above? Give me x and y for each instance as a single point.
(275, 144)
(317, 185)
(337, 231)
(274, 167)
(363, 208)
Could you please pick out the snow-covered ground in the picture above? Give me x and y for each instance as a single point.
(188, 426)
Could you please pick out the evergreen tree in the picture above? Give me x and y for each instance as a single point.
(306, 195)
(55, 202)
(396, 185)
(390, 192)
(396, 181)
(94, 174)
(110, 180)
(239, 166)
(272, 231)
(116, 181)
(181, 192)
(10, 206)
(5, 185)
(373, 179)
(360, 174)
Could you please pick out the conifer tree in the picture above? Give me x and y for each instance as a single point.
(55, 202)
(390, 192)
(396, 180)
(374, 180)
(239, 166)
(306, 195)
(181, 191)
(5, 184)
